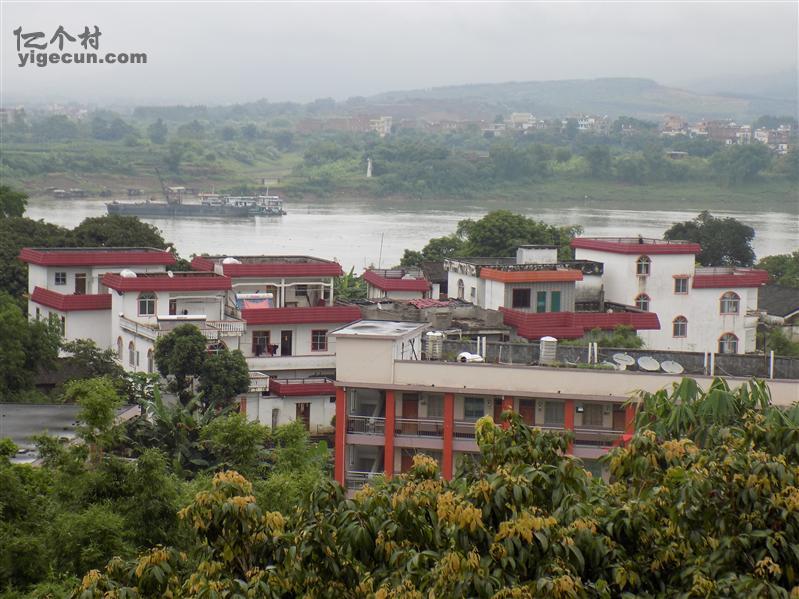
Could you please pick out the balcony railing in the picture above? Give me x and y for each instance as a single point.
(357, 479)
(227, 328)
(419, 427)
(366, 425)
(137, 328)
(596, 437)
(463, 429)
(211, 329)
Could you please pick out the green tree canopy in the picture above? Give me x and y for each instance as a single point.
(223, 376)
(114, 230)
(783, 269)
(12, 203)
(181, 353)
(735, 165)
(724, 241)
(157, 132)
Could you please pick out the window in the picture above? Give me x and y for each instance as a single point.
(301, 290)
(728, 344)
(472, 294)
(554, 413)
(146, 304)
(521, 298)
(63, 325)
(319, 340)
(461, 288)
(435, 406)
(473, 408)
(679, 327)
(173, 307)
(681, 285)
(554, 301)
(119, 348)
(38, 313)
(131, 354)
(80, 283)
(541, 301)
(642, 266)
(642, 302)
(592, 414)
(60, 278)
(260, 343)
(730, 303)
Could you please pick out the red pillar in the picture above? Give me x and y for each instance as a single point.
(507, 406)
(341, 435)
(629, 419)
(568, 420)
(388, 455)
(449, 434)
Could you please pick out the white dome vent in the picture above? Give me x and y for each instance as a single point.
(128, 274)
(231, 260)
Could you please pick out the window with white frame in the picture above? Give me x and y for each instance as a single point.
(643, 266)
(592, 415)
(554, 413)
(730, 303)
(319, 340)
(473, 408)
(681, 285)
(728, 344)
(679, 327)
(60, 278)
(147, 304)
(461, 289)
(642, 302)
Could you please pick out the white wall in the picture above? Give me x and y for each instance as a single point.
(322, 410)
(79, 324)
(44, 276)
(301, 338)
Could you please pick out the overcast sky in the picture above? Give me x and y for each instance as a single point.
(221, 52)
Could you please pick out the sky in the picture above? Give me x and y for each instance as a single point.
(224, 52)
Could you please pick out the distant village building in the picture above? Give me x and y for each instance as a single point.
(381, 125)
(396, 283)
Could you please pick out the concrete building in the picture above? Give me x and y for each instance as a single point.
(396, 283)
(403, 404)
(700, 309)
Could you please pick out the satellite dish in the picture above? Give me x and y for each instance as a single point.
(672, 367)
(127, 274)
(623, 359)
(170, 274)
(649, 363)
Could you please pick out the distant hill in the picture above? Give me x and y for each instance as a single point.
(641, 98)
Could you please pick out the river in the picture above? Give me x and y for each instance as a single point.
(358, 233)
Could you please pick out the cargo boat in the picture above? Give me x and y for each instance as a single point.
(213, 205)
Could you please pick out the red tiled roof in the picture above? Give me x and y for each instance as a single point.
(71, 303)
(180, 282)
(739, 278)
(386, 284)
(573, 325)
(96, 257)
(423, 303)
(272, 269)
(530, 276)
(301, 388)
(321, 314)
(632, 246)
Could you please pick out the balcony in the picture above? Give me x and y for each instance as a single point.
(366, 425)
(596, 437)
(419, 427)
(357, 479)
(464, 429)
(303, 387)
(213, 330)
(306, 362)
(259, 381)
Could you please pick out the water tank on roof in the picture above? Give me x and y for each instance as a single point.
(127, 274)
(435, 345)
(231, 260)
(548, 348)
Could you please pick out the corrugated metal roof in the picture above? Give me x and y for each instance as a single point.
(71, 303)
(386, 284)
(96, 256)
(320, 314)
(573, 325)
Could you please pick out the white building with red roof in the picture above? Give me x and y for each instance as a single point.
(700, 309)
(396, 284)
(66, 283)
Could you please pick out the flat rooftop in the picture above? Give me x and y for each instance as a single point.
(268, 259)
(380, 329)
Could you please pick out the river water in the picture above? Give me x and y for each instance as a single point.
(360, 233)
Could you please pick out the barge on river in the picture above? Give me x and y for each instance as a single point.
(209, 205)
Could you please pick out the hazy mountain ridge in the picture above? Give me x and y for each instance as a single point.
(639, 97)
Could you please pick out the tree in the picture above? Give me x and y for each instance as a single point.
(563, 155)
(436, 250)
(114, 230)
(736, 165)
(223, 376)
(724, 241)
(350, 286)
(12, 203)
(701, 502)
(98, 401)
(181, 353)
(621, 336)
(174, 156)
(599, 162)
(236, 443)
(157, 132)
(783, 269)
(26, 346)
